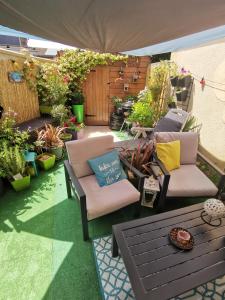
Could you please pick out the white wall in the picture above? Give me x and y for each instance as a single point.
(208, 105)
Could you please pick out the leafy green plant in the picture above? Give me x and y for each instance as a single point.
(59, 113)
(77, 98)
(10, 134)
(52, 86)
(50, 136)
(117, 101)
(12, 161)
(190, 124)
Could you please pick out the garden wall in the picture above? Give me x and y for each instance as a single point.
(17, 96)
(118, 79)
(208, 103)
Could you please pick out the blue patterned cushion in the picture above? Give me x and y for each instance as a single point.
(107, 168)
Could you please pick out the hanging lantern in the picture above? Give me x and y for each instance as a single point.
(202, 82)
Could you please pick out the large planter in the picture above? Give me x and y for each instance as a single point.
(57, 151)
(46, 161)
(45, 109)
(65, 137)
(174, 80)
(78, 111)
(184, 81)
(21, 184)
(182, 95)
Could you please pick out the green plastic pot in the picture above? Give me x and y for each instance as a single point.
(45, 109)
(48, 163)
(78, 111)
(21, 184)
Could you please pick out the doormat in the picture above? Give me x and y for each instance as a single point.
(115, 284)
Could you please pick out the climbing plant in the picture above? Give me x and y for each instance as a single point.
(76, 64)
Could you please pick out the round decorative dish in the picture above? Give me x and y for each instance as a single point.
(181, 238)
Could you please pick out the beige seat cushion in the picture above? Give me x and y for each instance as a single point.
(189, 181)
(188, 144)
(106, 199)
(81, 150)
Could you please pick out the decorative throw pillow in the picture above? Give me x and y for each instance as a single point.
(169, 154)
(107, 168)
(167, 125)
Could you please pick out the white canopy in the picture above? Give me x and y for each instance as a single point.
(111, 26)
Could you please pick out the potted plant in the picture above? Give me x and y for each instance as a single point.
(14, 166)
(51, 142)
(184, 80)
(181, 94)
(72, 127)
(46, 160)
(117, 103)
(52, 88)
(77, 102)
(59, 114)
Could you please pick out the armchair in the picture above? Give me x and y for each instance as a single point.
(188, 180)
(96, 201)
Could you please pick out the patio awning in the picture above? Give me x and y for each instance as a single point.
(111, 26)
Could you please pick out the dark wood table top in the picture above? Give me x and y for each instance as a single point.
(159, 270)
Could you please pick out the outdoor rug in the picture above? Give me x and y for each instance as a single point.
(115, 285)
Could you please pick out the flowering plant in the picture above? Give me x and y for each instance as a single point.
(117, 101)
(72, 125)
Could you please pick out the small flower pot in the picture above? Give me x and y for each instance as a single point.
(182, 95)
(46, 161)
(65, 137)
(21, 184)
(45, 109)
(174, 80)
(78, 111)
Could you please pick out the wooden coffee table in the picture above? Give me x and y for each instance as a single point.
(157, 269)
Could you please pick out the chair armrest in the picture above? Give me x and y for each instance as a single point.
(74, 180)
(160, 165)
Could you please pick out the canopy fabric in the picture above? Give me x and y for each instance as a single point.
(111, 26)
(203, 38)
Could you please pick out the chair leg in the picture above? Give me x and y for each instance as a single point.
(163, 193)
(137, 209)
(84, 218)
(68, 186)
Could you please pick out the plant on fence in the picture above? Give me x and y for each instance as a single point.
(59, 113)
(52, 86)
(10, 134)
(76, 64)
(140, 156)
(142, 111)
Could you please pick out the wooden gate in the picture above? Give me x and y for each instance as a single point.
(96, 90)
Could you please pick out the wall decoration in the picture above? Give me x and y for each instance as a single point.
(15, 77)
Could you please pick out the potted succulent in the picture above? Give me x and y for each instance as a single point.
(77, 102)
(49, 136)
(181, 94)
(13, 163)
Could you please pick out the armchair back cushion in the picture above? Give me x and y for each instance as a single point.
(188, 144)
(80, 151)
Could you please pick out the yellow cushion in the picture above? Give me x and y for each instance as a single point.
(169, 154)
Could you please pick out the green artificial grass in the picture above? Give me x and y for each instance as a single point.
(42, 254)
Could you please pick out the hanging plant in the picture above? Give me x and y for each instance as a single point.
(30, 67)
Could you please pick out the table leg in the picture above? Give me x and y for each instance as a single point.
(114, 246)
